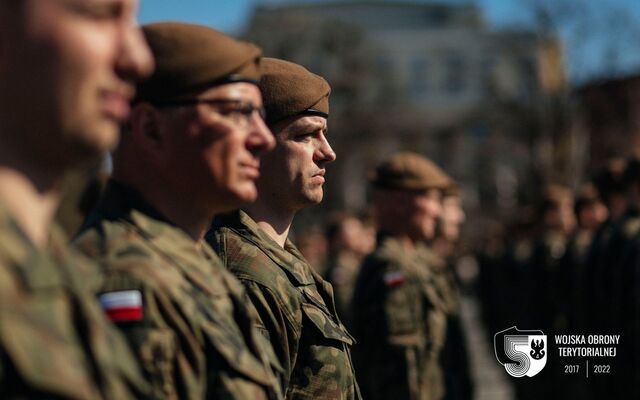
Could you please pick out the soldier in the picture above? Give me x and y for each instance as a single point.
(190, 150)
(622, 290)
(67, 70)
(344, 233)
(548, 298)
(590, 213)
(454, 359)
(545, 301)
(296, 306)
(605, 248)
(399, 318)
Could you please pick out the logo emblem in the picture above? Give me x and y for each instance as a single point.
(521, 352)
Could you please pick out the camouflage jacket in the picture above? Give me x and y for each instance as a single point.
(448, 370)
(54, 340)
(399, 325)
(442, 278)
(296, 307)
(187, 318)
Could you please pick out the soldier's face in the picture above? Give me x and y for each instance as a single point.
(212, 151)
(452, 217)
(294, 173)
(424, 209)
(351, 233)
(67, 70)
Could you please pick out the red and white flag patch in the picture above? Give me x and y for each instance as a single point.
(122, 306)
(394, 278)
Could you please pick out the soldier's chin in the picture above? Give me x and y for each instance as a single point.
(428, 231)
(315, 196)
(92, 143)
(245, 193)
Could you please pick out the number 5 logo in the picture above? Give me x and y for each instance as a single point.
(522, 353)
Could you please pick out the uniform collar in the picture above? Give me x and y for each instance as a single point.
(119, 200)
(39, 268)
(123, 203)
(288, 258)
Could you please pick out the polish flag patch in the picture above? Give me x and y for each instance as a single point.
(122, 306)
(394, 278)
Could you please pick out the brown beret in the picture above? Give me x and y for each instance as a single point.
(410, 171)
(453, 190)
(289, 89)
(193, 57)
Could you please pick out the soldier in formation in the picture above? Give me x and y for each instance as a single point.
(190, 150)
(575, 273)
(454, 357)
(400, 311)
(154, 309)
(296, 306)
(67, 73)
(346, 236)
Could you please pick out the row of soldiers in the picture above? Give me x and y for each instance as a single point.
(405, 279)
(570, 266)
(405, 310)
(153, 300)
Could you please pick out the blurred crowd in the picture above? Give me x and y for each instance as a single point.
(392, 271)
(569, 265)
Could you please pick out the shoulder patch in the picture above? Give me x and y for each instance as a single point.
(122, 306)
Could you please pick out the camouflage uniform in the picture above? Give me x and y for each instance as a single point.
(194, 337)
(444, 303)
(450, 345)
(296, 308)
(400, 325)
(54, 340)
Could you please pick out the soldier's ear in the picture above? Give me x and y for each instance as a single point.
(145, 125)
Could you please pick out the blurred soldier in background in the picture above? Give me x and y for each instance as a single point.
(368, 237)
(557, 218)
(490, 285)
(449, 223)
(399, 318)
(454, 359)
(624, 292)
(191, 149)
(67, 72)
(513, 275)
(345, 235)
(590, 213)
(545, 301)
(313, 245)
(613, 190)
(296, 306)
